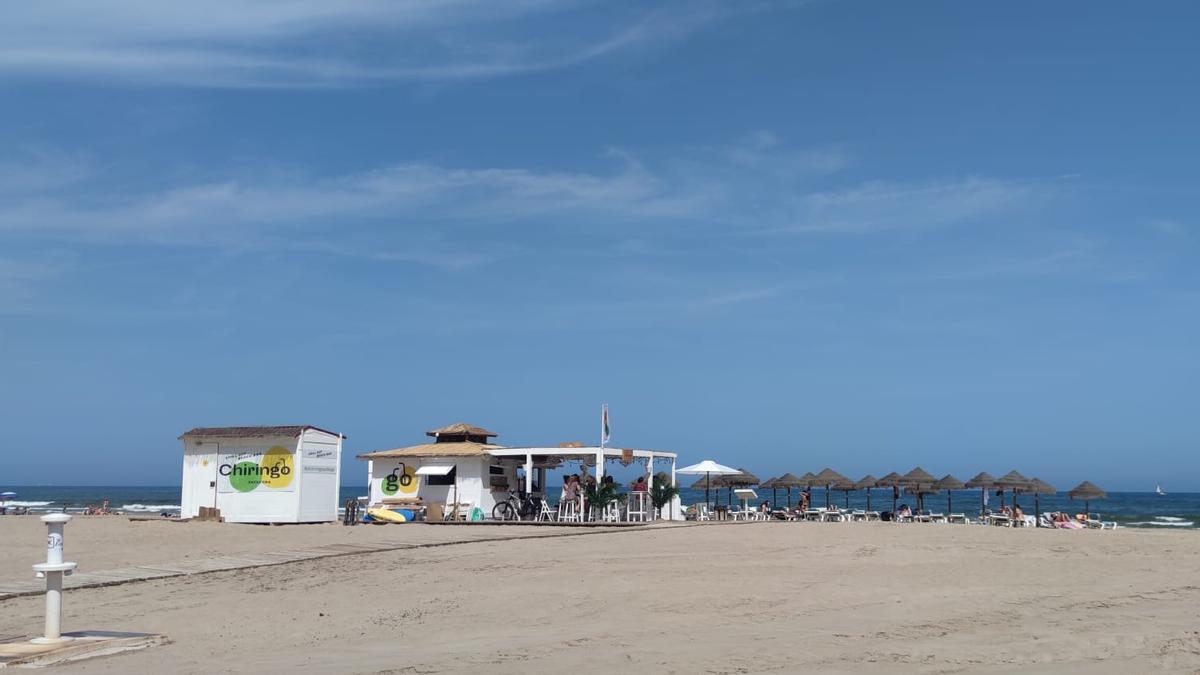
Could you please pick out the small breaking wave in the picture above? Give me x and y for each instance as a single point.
(1164, 521)
(31, 505)
(150, 507)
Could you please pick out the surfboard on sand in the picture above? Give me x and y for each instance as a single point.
(387, 515)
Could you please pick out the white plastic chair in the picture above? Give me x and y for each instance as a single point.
(545, 512)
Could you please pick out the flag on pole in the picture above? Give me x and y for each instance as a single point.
(604, 433)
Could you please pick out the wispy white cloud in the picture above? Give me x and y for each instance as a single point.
(398, 212)
(236, 43)
(888, 205)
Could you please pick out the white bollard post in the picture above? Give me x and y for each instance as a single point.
(53, 569)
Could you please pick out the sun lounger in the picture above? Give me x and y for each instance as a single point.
(957, 518)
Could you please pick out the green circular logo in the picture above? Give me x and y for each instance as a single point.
(245, 476)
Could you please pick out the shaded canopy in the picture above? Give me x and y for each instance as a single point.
(866, 482)
(808, 479)
(1013, 480)
(982, 480)
(891, 480)
(788, 480)
(828, 477)
(949, 482)
(706, 467)
(702, 483)
(1039, 486)
(1086, 491)
(742, 478)
(918, 478)
(461, 429)
(769, 483)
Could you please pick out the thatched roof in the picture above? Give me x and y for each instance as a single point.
(949, 482)
(462, 449)
(461, 429)
(1041, 487)
(1087, 491)
(768, 483)
(891, 480)
(918, 477)
(1013, 480)
(742, 478)
(866, 482)
(289, 431)
(700, 484)
(982, 479)
(828, 477)
(788, 480)
(809, 479)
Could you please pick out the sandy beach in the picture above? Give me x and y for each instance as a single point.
(722, 598)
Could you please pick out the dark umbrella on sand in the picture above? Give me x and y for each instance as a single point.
(1014, 482)
(866, 483)
(893, 481)
(920, 482)
(1039, 487)
(1087, 492)
(949, 483)
(741, 479)
(770, 483)
(984, 482)
(846, 488)
(828, 478)
(789, 481)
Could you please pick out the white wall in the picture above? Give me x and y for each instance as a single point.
(201, 482)
(199, 477)
(473, 481)
(319, 466)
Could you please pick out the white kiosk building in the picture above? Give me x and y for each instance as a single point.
(285, 474)
(464, 467)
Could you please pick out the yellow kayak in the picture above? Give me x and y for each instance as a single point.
(387, 516)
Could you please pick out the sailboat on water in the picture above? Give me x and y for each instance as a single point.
(1159, 491)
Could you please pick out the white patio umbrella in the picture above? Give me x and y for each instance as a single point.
(708, 468)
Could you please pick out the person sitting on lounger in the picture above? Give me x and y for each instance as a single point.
(765, 507)
(904, 511)
(1017, 513)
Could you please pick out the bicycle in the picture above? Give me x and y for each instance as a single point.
(518, 506)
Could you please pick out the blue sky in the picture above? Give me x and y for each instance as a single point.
(783, 235)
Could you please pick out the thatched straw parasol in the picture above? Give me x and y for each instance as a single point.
(789, 481)
(866, 483)
(920, 482)
(984, 481)
(770, 483)
(892, 480)
(828, 478)
(1039, 487)
(845, 488)
(742, 478)
(1087, 492)
(1014, 482)
(949, 484)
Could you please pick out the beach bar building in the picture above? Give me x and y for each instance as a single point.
(464, 467)
(280, 474)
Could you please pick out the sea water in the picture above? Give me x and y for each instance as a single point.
(1177, 510)
(1174, 511)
